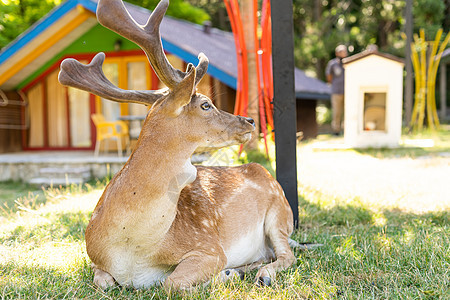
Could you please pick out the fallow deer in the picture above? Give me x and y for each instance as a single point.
(160, 219)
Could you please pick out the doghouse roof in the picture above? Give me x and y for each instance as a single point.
(369, 52)
(73, 18)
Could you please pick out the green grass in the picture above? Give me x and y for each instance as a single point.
(12, 192)
(376, 254)
(232, 156)
(440, 140)
(368, 254)
(372, 249)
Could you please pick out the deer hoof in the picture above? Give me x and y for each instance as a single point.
(103, 280)
(241, 274)
(231, 274)
(263, 281)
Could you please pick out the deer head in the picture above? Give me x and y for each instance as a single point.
(178, 108)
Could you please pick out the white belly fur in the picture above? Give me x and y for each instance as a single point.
(249, 248)
(129, 271)
(137, 271)
(144, 278)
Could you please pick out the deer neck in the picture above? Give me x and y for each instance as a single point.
(165, 156)
(157, 171)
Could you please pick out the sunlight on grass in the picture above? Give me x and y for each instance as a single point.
(403, 256)
(57, 255)
(379, 219)
(347, 248)
(50, 236)
(410, 185)
(384, 223)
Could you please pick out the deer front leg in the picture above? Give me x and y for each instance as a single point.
(103, 279)
(193, 270)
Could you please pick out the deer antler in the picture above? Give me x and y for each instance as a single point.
(92, 79)
(113, 15)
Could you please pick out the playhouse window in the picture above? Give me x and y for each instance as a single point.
(374, 112)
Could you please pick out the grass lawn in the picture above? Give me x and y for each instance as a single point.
(14, 194)
(392, 248)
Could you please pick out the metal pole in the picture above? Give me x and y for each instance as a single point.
(284, 100)
(409, 70)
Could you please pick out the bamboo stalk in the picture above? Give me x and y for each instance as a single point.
(423, 62)
(425, 69)
(416, 66)
(434, 74)
(430, 81)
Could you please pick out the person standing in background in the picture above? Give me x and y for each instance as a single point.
(335, 75)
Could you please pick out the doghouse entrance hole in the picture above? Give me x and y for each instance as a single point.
(374, 112)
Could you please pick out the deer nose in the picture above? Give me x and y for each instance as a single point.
(250, 121)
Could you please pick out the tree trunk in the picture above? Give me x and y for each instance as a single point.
(247, 16)
(317, 10)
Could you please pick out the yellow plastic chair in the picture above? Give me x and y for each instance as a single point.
(116, 130)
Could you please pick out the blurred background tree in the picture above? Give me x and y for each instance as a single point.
(319, 25)
(179, 9)
(17, 15)
(217, 12)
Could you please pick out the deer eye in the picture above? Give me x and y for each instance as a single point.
(206, 106)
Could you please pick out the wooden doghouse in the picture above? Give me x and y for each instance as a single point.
(373, 99)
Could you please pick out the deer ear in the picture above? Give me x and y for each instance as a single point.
(181, 94)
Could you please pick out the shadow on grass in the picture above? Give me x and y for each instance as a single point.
(355, 213)
(37, 282)
(399, 218)
(367, 254)
(313, 213)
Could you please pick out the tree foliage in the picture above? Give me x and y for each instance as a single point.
(17, 15)
(320, 25)
(430, 15)
(216, 10)
(180, 9)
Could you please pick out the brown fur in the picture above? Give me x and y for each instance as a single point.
(212, 212)
(160, 219)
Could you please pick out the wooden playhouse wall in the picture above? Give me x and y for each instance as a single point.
(10, 116)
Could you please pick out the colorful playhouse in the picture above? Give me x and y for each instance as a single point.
(37, 113)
